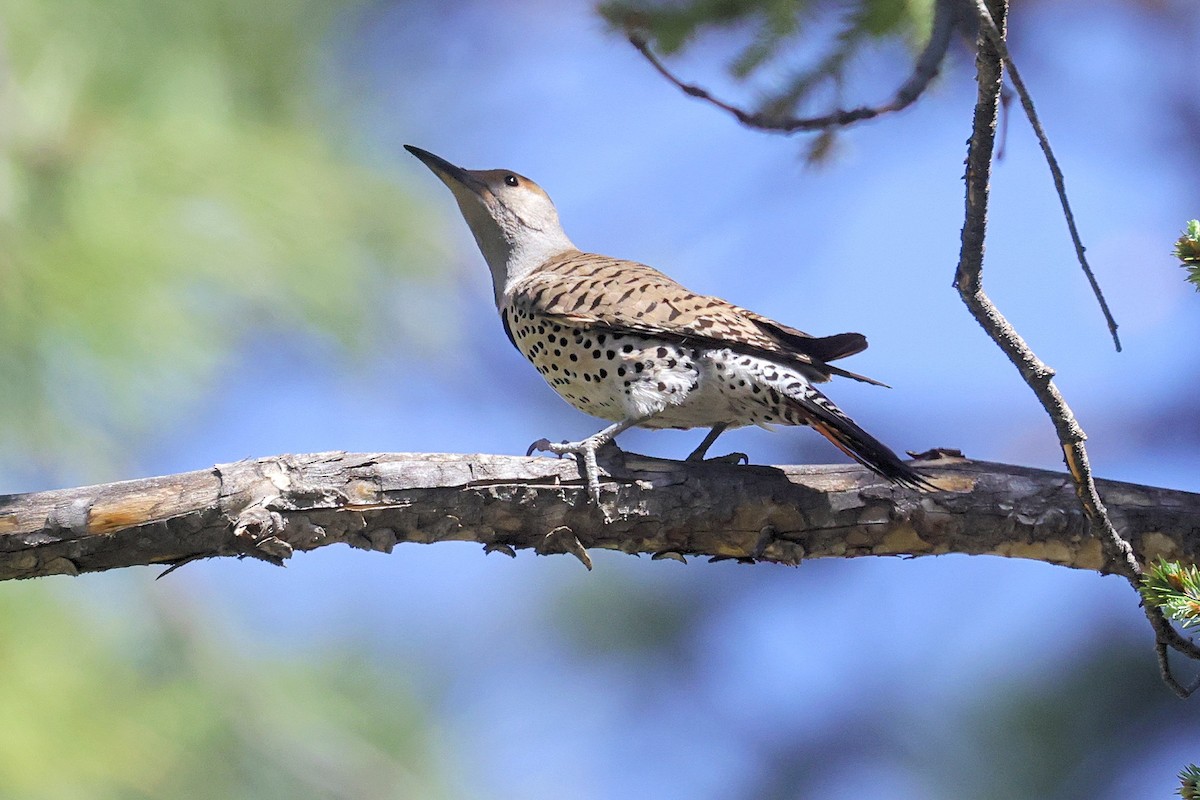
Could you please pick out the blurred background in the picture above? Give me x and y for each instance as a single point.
(213, 247)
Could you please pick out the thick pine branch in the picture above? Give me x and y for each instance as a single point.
(269, 508)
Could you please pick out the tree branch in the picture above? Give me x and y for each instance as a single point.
(270, 508)
(925, 69)
(1121, 555)
(996, 37)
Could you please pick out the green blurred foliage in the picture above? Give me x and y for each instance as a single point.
(173, 180)
(170, 180)
(771, 32)
(145, 705)
(1069, 734)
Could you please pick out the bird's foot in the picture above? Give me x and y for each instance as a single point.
(544, 445)
(584, 452)
(728, 458)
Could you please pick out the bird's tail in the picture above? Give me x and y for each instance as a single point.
(820, 413)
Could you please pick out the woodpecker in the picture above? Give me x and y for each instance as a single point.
(622, 341)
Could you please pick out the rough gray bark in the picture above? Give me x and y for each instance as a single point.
(269, 508)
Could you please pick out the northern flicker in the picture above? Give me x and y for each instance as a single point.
(621, 341)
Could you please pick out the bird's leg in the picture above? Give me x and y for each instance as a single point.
(585, 451)
(699, 453)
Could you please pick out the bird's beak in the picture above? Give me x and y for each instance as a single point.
(454, 177)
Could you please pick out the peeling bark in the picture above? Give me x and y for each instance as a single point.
(271, 507)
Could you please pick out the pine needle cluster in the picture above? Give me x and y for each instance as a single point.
(1175, 588)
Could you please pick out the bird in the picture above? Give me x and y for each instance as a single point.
(621, 341)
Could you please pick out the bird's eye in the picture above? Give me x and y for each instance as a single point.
(511, 180)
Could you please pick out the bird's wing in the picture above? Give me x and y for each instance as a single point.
(826, 348)
(598, 291)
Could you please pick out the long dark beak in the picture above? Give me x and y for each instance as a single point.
(449, 174)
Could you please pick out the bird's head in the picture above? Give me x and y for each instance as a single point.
(514, 222)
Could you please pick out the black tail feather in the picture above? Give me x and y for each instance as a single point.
(828, 420)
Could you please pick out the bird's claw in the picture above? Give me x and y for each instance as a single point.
(584, 452)
(546, 446)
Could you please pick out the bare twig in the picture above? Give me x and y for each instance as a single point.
(969, 282)
(1167, 638)
(994, 35)
(925, 69)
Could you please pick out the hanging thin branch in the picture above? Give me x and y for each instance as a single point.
(969, 282)
(996, 38)
(925, 69)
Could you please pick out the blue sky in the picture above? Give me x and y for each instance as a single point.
(868, 243)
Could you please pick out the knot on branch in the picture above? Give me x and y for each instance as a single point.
(563, 540)
(256, 533)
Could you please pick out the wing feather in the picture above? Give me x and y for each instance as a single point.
(625, 296)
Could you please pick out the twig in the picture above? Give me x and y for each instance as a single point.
(990, 29)
(968, 280)
(1166, 637)
(926, 67)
